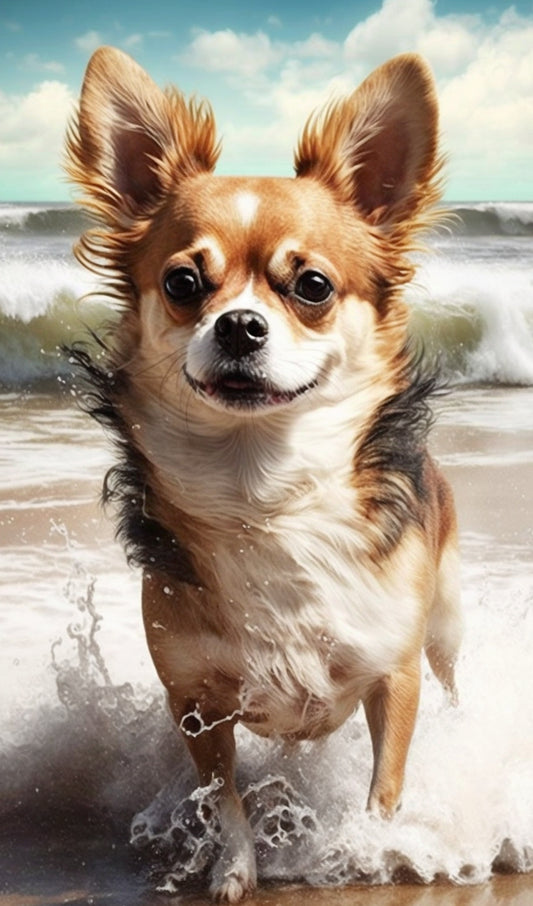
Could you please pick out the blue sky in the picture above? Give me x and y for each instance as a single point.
(264, 67)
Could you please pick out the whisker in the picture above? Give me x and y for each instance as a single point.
(155, 364)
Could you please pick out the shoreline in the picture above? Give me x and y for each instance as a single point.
(501, 890)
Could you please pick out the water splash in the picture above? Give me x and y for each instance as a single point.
(184, 846)
(99, 748)
(111, 751)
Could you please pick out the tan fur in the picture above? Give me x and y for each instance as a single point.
(321, 569)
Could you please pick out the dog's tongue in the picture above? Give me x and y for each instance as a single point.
(235, 384)
(239, 384)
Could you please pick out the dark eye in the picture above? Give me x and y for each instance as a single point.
(313, 288)
(182, 285)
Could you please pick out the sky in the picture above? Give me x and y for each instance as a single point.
(264, 67)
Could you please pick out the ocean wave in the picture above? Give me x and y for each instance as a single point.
(45, 303)
(35, 220)
(477, 338)
(476, 219)
(472, 311)
(496, 219)
(31, 355)
(476, 320)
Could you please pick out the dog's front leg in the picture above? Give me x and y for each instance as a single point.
(204, 707)
(213, 752)
(391, 713)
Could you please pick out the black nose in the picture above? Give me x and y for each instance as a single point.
(241, 332)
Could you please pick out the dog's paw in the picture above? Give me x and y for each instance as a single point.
(234, 879)
(383, 807)
(234, 888)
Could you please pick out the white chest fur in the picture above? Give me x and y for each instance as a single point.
(308, 622)
(307, 609)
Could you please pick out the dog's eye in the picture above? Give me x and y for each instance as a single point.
(182, 285)
(313, 288)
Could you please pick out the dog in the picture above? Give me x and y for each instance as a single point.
(298, 543)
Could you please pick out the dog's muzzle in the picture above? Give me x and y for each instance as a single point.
(239, 380)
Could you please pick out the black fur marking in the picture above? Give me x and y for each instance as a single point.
(394, 451)
(393, 454)
(147, 543)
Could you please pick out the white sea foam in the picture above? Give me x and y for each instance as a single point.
(476, 317)
(469, 783)
(31, 287)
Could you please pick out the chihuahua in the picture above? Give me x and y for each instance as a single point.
(298, 543)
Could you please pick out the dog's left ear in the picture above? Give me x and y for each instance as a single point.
(131, 140)
(377, 148)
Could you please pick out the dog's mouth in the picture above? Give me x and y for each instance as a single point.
(239, 391)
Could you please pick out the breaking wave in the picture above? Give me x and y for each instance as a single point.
(472, 305)
(494, 219)
(480, 334)
(476, 219)
(38, 220)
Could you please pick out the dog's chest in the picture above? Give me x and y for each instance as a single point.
(307, 625)
(291, 607)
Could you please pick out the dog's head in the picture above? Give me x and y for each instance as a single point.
(251, 295)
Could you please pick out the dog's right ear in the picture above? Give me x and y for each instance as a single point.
(130, 141)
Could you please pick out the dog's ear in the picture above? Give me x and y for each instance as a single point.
(377, 148)
(131, 140)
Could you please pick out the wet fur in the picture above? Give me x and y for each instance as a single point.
(298, 544)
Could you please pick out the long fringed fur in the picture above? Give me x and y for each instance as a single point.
(160, 136)
(147, 543)
(392, 458)
(337, 145)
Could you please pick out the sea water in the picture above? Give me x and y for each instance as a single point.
(86, 738)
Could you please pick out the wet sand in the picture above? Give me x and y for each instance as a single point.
(513, 890)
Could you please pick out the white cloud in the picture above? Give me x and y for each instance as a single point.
(132, 41)
(484, 72)
(392, 29)
(265, 89)
(449, 43)
(487, 108)
(32, 127)
(89, 41)
(227, 51)
(33, 61)
(314, 47)
(400, 26)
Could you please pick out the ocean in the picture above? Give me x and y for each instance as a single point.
(97, 797)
